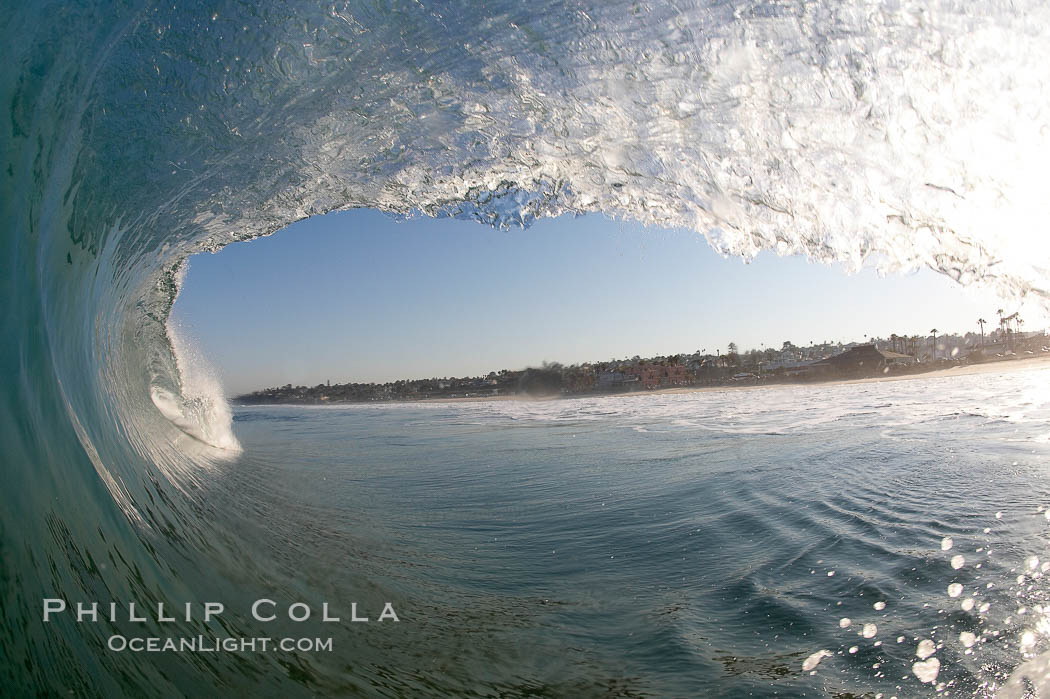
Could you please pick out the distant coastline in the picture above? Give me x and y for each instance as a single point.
(321, 395)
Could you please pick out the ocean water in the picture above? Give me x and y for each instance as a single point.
(653, 545)
(667, 546)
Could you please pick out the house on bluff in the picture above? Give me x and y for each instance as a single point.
(866, 360)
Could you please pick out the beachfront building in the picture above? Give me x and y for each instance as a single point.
(658, 375)
(616, 381)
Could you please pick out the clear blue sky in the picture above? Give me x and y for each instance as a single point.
(359, 296)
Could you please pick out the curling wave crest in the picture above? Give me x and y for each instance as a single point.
(893, 133)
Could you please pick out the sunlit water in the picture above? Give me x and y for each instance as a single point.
(665, 544)
(135, 134)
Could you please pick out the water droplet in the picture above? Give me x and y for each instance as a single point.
(958, 562)
(946, 543)
(954, 590)
(927, 670)
(814, 660)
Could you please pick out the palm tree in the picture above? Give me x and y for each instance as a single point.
(981, 322)
(1003, 335)
(934, 333)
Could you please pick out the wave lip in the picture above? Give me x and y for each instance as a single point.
(198, 417)
(199, 407)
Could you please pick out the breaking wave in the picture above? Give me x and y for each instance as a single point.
(138, 133)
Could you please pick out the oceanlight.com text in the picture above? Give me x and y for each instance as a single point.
(214, 644)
